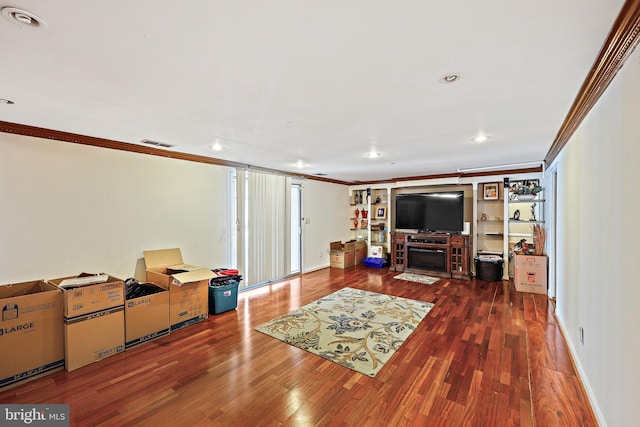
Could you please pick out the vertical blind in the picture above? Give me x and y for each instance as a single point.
(262, 226)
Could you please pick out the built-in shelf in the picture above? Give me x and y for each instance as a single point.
(527, 201)
(525, 221)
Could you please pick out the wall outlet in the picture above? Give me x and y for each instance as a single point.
(581, 334)
(320, 254)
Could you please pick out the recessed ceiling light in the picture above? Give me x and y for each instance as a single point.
(216, 146)
(450, 78)
(372, 154)
(6, 101)
(300, 164)
(22, 17)
(480, 138)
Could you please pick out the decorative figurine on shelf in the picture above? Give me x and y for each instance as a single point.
(516, 215)
(360, 197)
(357, 213)
(364, 213)
(377, 199)
(483, 217)
(355, 198)
(363, 224)
(533, 212)
(355, 224)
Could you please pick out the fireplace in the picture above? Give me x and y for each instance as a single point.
(427, 259)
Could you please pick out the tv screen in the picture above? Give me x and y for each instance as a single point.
(443, 211)
(410, 211)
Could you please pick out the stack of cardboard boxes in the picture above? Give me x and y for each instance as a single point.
(188, 286)
(344, 255)
(74, 321)
(93, 321)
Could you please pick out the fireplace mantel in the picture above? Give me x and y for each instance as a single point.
(435, 254)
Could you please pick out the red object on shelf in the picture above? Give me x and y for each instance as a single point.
(358, 213)
(364, 213)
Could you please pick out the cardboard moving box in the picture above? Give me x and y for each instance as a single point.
(93, 321)
(31, 332)
(361, 251)
(530, 274)
(342, 255)
(187, 285)
(146, 317)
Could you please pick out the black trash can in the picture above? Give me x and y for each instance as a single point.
(489, 267)
(223, 293)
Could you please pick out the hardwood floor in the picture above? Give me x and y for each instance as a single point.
(484, 356)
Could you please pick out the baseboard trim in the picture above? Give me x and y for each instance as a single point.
(581, 373)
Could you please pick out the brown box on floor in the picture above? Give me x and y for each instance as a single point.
(530, 273)
(342, 255)
(146, 317)
(361, 251)
(188, 286)
(31, 332)
(93, 319)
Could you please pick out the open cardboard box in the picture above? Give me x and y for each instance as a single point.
(187, 285)
(31, 332)
(342, 255)
(146, 317)
(93, 321)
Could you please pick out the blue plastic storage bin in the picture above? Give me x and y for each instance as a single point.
(223, 298)
(375, 262)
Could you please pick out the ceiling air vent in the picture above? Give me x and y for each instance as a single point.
(157, 143)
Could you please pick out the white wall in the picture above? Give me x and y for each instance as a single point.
(598, 234)
(326, 208)
(69, 208)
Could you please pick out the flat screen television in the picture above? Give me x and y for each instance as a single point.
(430, 212)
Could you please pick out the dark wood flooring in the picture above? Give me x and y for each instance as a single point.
(484, 356)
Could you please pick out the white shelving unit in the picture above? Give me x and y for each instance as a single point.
(490, 220)
(375, 201)
(528, 213)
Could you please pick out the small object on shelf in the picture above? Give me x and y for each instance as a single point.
(357, 213)
(491, 191)
(355, 223)
(365, 213)
(483, 217)
(524, 190)
(533, 212)
(516, 215)
(363, 223)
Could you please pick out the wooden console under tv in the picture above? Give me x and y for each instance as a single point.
(444, 255)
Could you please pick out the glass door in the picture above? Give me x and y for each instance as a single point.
(296, 229)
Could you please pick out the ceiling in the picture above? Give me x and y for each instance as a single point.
(324, 83)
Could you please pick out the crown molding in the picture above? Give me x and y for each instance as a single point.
(622, 40)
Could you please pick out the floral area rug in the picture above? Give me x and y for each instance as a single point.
(357, 329)
(426, 280)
